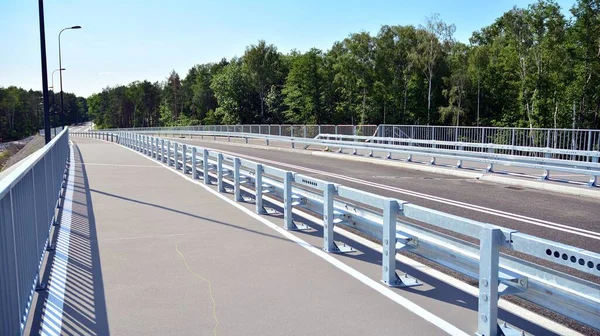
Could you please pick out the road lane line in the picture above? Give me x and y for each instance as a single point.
(473, 207)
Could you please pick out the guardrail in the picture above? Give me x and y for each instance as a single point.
(298, 131)
(547, 152)
(576, 139)
(546, 165)
(29, 197)
(387, 220)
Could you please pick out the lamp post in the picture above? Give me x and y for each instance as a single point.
(52, 87)
(60, 68)
(44, 72)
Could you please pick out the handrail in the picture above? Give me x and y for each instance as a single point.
(29, 196)
(459, 144)
(384, 219)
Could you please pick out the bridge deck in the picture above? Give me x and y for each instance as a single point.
(148, 252)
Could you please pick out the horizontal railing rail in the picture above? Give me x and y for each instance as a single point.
(546, 165)
(392, 221)
(563, 138)
(29, 197)
(547, 152)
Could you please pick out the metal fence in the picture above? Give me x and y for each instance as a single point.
(53, 131)
(298, 131)
(29, 196)
(392, 222)
(576, 139)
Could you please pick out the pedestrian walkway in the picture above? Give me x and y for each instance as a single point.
(147, 252)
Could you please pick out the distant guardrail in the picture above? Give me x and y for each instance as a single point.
(385, 219)
(545, 164)
(29, 197)
(560, 138)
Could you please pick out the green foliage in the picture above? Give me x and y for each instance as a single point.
(530, 68)
(21, 111)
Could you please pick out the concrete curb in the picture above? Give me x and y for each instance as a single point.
(492, 178)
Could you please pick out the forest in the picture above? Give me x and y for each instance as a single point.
(21, 111)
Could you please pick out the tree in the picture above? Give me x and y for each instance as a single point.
(434, 39)
(264, 68)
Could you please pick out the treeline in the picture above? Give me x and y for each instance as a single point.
(21, 111)
(531, 68)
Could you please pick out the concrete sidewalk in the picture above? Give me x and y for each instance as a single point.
(153, 254)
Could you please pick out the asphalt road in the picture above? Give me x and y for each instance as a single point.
(567, 219)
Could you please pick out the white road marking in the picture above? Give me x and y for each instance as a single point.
(52, 319)
(473, 207)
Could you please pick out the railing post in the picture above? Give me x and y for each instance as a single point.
(259, 189)
(291, 131)
(489, 252)
(175, 155)
(184, 158)
(237, 192)
(304, 126)
(287, 201)
(221, 188)
(168, 152)
(194, 162)
(162, 150)
(328, 240)
(205, 166)
(390, 210)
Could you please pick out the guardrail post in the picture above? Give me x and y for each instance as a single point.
(258, 188)
(389, 277)
(390, 209)
(221, 188)
(237, 192)
(287, 201)
(304, 126)
(175, 155)
(168, 152)
(194, 162)
(291, 131)
(489, 259)
(162, 150)
(205, 166)
(329, 242)
(184, 158)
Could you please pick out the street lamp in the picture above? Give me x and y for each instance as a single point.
(52, 87)
(60, 68)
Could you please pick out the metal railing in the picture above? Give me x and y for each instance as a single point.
(575, 139)
(53, 131)
(389, 220)
(299, 131)
(547, 152)
(29, 197)
(545, 164)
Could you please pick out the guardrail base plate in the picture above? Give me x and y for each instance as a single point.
(404, 281)
(340, 248)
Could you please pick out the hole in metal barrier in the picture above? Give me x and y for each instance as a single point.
(573, 259)
(549, 252)
(590, 264)
(565, 256)
(581, 262)
(556, 254)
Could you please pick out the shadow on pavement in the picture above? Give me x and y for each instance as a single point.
(438, 290)
(84, 309)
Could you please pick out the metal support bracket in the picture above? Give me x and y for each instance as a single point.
(389, 276)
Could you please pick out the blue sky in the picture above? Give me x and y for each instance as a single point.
(124, 40)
